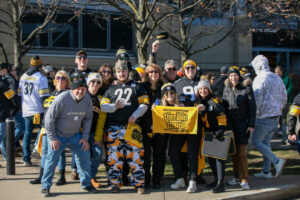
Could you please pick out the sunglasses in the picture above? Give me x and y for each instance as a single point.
(190, 68)
(81, 57)
(123, 58)
(61, 78)
(171, 69)
(106, 72)
(169, 93)
(153, 71)
(94, 81)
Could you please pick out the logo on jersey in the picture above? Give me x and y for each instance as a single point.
(133, 85)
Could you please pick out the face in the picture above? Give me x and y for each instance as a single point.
(190, 71)
(234, 79)
(170, 96)
(203, 91)
(61, 82)
(81, 60)
(79, 93)
(94, 86)
(171, 72)
(153, 74)
(122, 75)
(13, 71)
(278, 72)
(212, 80)
(106, 73)
(124, 59)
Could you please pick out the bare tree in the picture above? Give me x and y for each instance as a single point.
(16, 10)
(145, 16)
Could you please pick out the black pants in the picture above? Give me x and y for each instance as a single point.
(175, 144)
(218, 168)
(158, 145)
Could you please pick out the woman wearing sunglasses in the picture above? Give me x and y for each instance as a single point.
(97, 128)
(155, 143)
(186, 88)
(213, 120)
(62, 82)
(106, 72)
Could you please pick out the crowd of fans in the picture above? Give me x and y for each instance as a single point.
(89, 112)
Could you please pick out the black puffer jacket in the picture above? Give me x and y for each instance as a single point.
(240, 108)
(218, 86)
(6, 100)
(293, 115)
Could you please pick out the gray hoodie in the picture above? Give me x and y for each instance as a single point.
(269, 90)
(65, 116)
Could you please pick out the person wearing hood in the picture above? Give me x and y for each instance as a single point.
(270, 97)
(33, 89)
(218, 86)
(239, 103)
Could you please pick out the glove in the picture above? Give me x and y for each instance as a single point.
(219, 134)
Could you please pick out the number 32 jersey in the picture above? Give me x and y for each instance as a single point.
(32, 89)
(133, 95)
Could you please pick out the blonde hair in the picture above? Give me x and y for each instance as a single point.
(165, 103)
(64, 74)
(155, 67)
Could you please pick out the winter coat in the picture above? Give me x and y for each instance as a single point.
(240, 108)
(289, 87)
(294, 113)
(219, 85)
(269, 90)
(7, 104)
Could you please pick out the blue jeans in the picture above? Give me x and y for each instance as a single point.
(261, 137)
(83, 161)
(2, 138)
(19, 126)
(96, 155)
(62, 158)
(27, 138)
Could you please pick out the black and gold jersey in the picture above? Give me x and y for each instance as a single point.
(133, 95)
(186, 90)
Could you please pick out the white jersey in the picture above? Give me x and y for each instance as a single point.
(32, 89)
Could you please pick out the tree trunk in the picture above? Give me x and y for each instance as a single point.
(184, 56)
(141, 50)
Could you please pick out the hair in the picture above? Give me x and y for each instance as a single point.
(171, 62)
(279, 67)
(65, 74)
(102, 67)
(155, 67)
(165, 103)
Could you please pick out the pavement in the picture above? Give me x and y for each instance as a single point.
(17, 186)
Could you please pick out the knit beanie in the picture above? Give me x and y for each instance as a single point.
(36, 61)
(167, 87)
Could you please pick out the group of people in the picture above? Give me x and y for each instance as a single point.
(89, 112)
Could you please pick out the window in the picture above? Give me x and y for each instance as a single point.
(98, 31)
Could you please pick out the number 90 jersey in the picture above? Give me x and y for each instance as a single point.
(186, 90)
(132, 93)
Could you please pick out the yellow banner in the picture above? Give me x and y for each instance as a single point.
(134, 134)
(175, 120)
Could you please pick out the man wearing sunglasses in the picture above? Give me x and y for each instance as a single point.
(170, 73)
(81, 61)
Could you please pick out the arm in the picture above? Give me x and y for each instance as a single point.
(259, 93)
(100, 126)
(251, 107)
(152, 56)
(87, 121)
(51, 115)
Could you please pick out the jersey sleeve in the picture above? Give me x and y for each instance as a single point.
(142, 95)
(43, 87)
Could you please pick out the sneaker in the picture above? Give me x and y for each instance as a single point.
(245, 186)
(263, 175)
(27, 163)
(178, 184)
(115, 189)
(192, 187)
(233, 181)
(89, 189)
(279, 167)
(45, 192)
(141, 191)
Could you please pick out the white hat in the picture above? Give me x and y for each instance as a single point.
(204, 83)
(94, 76)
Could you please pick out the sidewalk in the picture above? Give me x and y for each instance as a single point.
(18, 187)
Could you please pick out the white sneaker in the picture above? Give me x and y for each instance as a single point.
(192, 187)
(279, 167)
(263, 175)
(234, 181)
(245, 186)
(178, 184)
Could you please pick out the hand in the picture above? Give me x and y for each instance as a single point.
(85, 144)
(219, 134)
(131, 119)
(119, 104)
(55, 145)
(98, 143)
(201, 107)
(114, 82)
(155, 46)
(292, 137)
(152, 107)
(250, 130)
